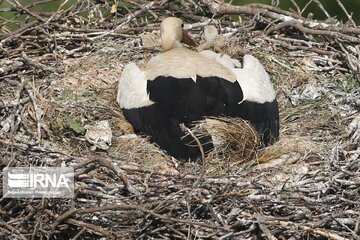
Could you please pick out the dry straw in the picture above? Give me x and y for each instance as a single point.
(235, 141)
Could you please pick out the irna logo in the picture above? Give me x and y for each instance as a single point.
(38, 182)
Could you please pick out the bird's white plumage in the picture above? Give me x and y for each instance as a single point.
(254, 81)
(171, 33)
(132, 85)
(183, 63)
(223, 59)
(210, 35)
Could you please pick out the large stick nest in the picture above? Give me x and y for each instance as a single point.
(59, 71)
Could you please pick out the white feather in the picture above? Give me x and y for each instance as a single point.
(223, 59)
(254, 81)
(210, 35)
(132, 92)
(184, 63)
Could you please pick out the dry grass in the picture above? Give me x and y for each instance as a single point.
(235, 142)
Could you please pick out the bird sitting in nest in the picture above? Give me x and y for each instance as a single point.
(180, 86)
(210, 36)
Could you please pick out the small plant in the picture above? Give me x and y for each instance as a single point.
(75, 125)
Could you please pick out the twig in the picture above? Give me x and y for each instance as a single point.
(203, 167)
(15, 65)
(322, 8)
(125, 20)
(299, 26)
(13, 103)
(12, 229)
(127, 185)
(25, 9)
(66, 218)
(296, 6)
(37, 64)
(307, 26)
(57, 11)
(306, 6)
(37, 111)
(285, 224)
(346, 12)
(78, 234)
(66, 215)
(93, 227)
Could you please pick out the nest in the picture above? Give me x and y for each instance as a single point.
(58, 73)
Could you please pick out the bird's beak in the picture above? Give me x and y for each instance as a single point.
(187, 39)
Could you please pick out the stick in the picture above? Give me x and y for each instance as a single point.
(322, 8)
(37, 64)
(12, 229)
(301, 27)
(127, 185)
(347, 13)
(201, 150)
(37, 111)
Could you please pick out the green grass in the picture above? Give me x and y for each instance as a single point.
(85, 95)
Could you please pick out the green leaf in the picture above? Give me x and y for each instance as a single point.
(75, 125)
